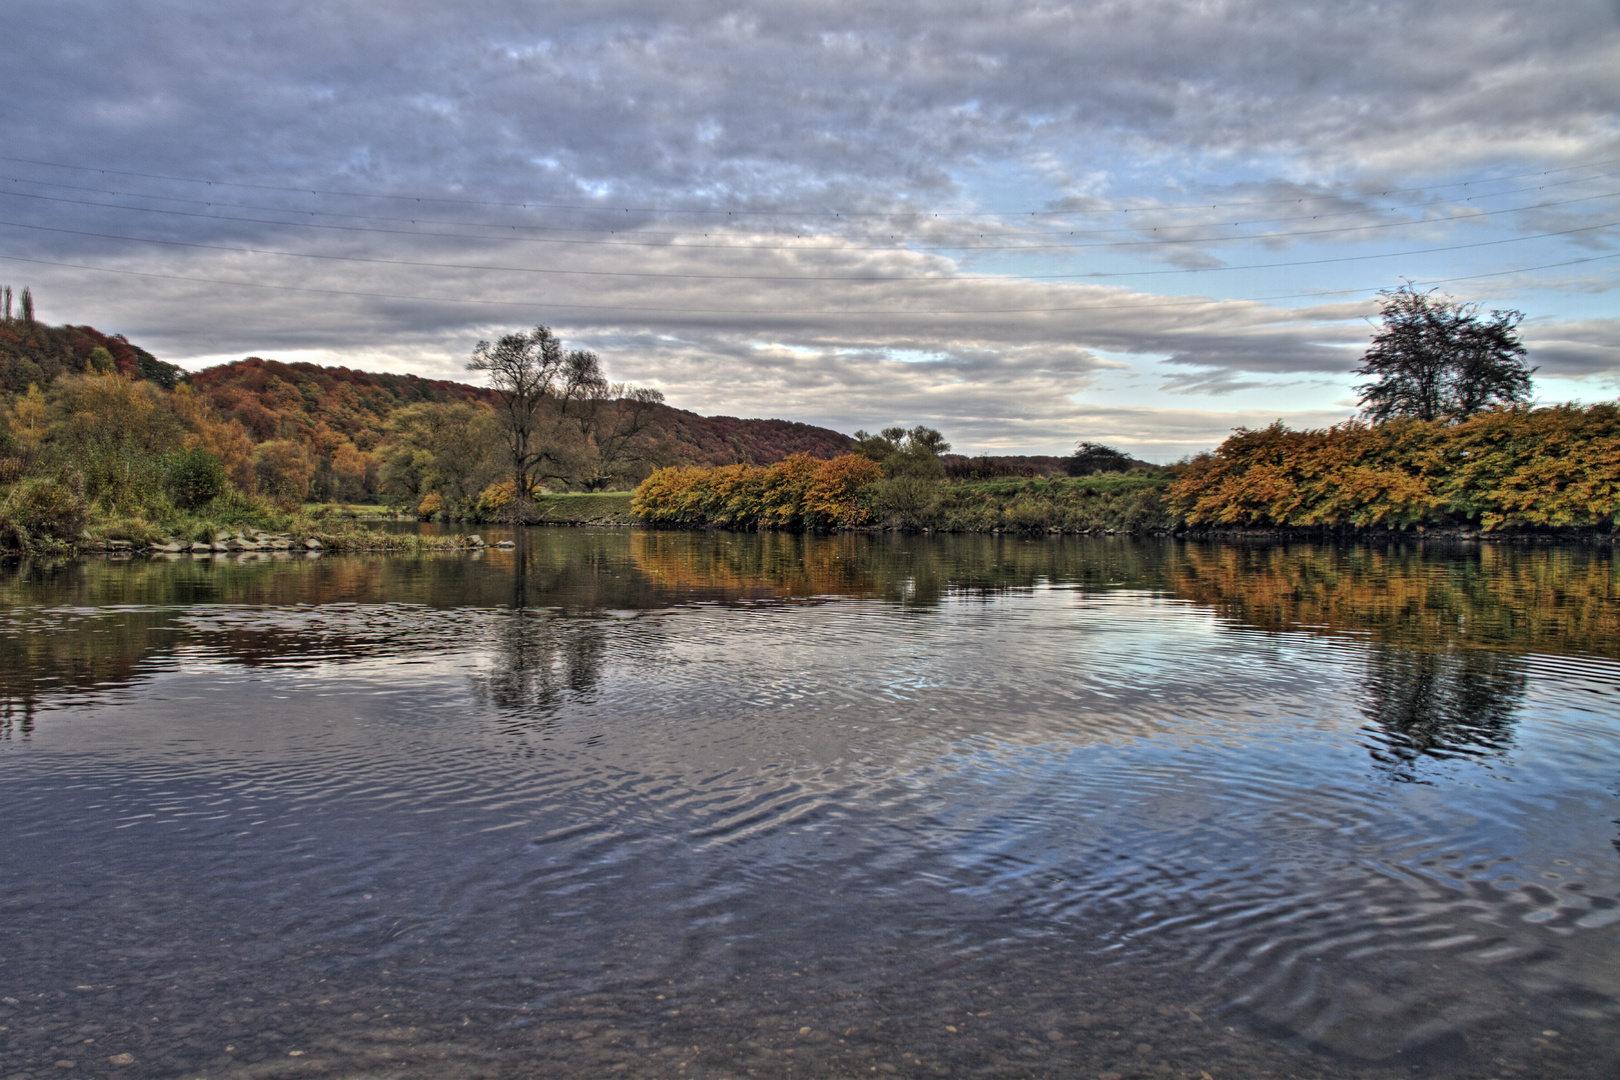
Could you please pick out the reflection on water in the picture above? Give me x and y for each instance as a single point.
(1440, 705)
(538, 663)
(640, 803)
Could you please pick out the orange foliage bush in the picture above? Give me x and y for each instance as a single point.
(797, 492)
(1506, 468)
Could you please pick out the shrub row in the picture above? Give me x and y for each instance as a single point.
(797, 492)
(850, 492)
(1553, 467)
(1127, 502)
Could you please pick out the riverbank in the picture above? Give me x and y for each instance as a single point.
(1119, 504)
(1132, 503)
(251, 542)
(51, 519)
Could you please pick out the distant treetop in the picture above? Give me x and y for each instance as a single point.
(1436, 358)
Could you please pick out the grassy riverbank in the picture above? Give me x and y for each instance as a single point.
(52, 517)
(586, 508)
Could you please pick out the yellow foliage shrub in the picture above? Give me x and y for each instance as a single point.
(1506, 468)
(496, 498)
(797, 492)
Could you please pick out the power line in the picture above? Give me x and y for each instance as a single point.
(798, 312)
(750, 212)
(1023, 247)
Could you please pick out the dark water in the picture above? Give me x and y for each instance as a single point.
(648, 804)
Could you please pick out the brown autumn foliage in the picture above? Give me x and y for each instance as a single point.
(1553, 601)
(297, 431)
(1524, 468)
(796, 492)
(34, 353)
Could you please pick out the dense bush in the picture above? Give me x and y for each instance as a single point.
(850, 492)
(195, 476)
(1506, 468)
(1119, 502)
(1091, 458)
(43, 509)
(797, 492)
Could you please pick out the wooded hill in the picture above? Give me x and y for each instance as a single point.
(301, 431)
(32, 353)
(273, 400)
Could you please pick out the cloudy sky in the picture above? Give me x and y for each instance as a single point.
(1143, 223)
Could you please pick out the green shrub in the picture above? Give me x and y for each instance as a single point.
(910, 501)
(43, 509)
(1029, 513)
(195, 477)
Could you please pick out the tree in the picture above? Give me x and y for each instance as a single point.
(441, 449)
(535, 381)
(284, 470)
(1436, 357)
(1090, 457)
(117, 432)
(905, 453)
(913, 475)
(609, 417)
(563, 420)
(196, 476)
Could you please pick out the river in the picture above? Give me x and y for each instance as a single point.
(634, 803)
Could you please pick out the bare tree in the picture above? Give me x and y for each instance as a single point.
(562, 419)
(1437, 358)
(609, 417)
(530, 372)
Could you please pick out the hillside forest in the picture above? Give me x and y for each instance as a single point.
(90, 420)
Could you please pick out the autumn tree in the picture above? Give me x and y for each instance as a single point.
(531, 373)
(444, 448)
(1436, 357)
(284, 470)
(608, 417)
(561, 418)
(117, 432)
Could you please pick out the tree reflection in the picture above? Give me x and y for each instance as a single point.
(541, 661)
(16, 714)
(1437, 705)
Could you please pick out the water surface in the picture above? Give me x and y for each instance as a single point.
(666, 804)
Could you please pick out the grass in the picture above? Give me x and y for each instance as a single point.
(355, 511)
(79, 526)
(587, 507)
(1116, 502)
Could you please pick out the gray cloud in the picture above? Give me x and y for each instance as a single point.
(704, 102)
(732, 137)
(1579, 349)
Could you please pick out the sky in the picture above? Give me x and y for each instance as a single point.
(1137, 223)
